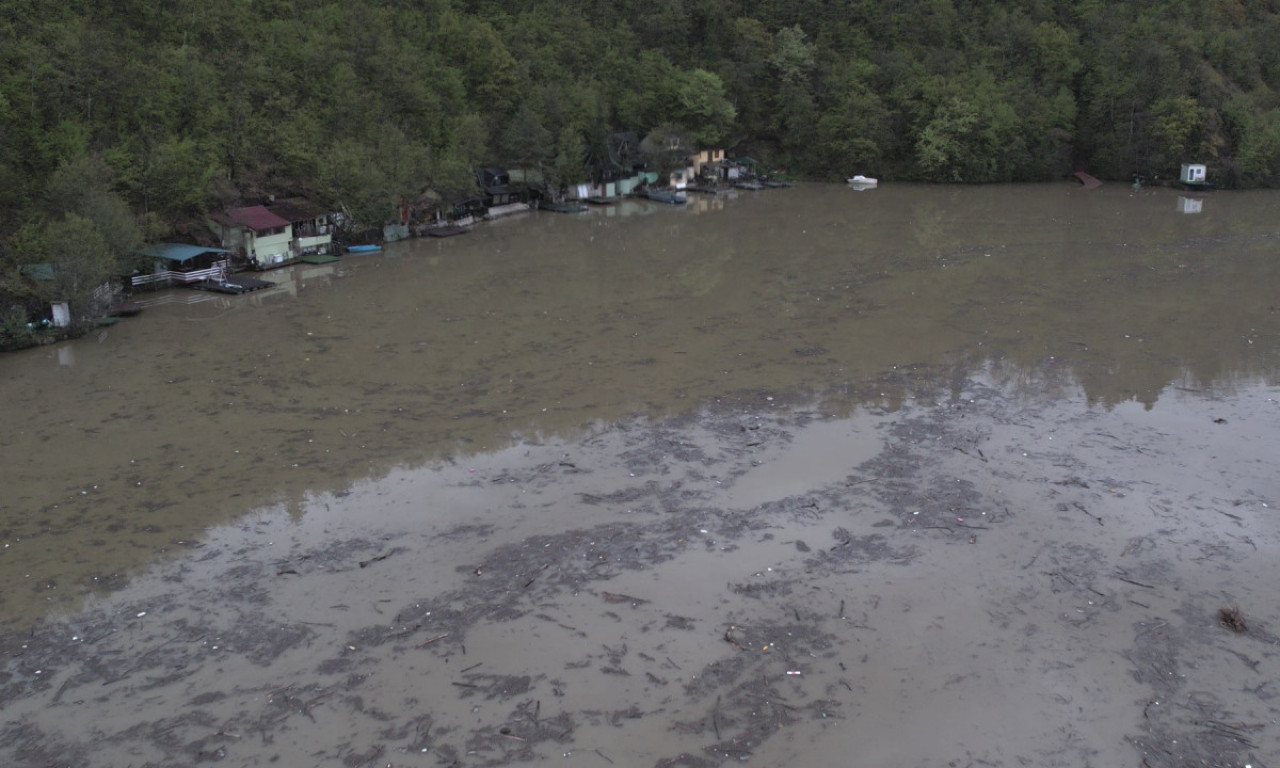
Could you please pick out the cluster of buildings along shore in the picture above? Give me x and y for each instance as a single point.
(288, 231)
(284, 232)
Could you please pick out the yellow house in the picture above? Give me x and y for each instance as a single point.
(258, 237)
(710, 165)
(704, 158)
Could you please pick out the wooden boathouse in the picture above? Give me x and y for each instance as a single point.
(182, 264)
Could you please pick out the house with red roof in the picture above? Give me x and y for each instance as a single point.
(259, 238)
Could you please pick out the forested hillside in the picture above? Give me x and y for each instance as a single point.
(120, 118)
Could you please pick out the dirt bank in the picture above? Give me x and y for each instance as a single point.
(976, 578)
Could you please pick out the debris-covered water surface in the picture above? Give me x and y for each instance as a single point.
(976, 577)
(932, 476)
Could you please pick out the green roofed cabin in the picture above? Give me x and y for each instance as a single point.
(182, 264)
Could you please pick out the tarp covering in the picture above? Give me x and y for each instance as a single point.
(38, 271)
(178, 252)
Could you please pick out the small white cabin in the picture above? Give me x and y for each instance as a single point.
(61, 311)
(1192, 173)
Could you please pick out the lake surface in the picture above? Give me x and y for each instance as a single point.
(126, 446)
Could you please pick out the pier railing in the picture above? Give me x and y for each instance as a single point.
(168, 276)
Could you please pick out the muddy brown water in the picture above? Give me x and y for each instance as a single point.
(918, 476)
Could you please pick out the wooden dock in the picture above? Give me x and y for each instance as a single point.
(234, 286)
(1085, 179)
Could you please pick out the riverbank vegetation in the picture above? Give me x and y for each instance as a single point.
(163, 111)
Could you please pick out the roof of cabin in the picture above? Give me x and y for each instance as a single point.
(178, 251)
(255, 217)
(38, 271)
(297, 209)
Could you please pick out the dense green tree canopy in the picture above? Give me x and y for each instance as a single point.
(185, 106)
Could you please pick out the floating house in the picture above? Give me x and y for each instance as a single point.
(712, 167)
(500, 196)
(705, 158)
(257, 237)
(312, 232)
(496, 184)
(1193, 173)
(617, 168)
(181, 264)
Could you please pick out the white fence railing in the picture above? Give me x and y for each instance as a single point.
(183, 297)
(166, 277)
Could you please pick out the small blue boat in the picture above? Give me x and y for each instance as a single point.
(363, 248)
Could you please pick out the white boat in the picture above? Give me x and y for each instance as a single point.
(862, 182)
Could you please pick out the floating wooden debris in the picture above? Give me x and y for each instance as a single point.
(1232, 619)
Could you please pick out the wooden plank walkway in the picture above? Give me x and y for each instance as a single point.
(235, 285)
(1088, 181)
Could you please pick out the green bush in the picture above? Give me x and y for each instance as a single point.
(15, 333)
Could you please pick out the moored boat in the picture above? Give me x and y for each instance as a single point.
(666, 196)
(561, 207)
(447, 230)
